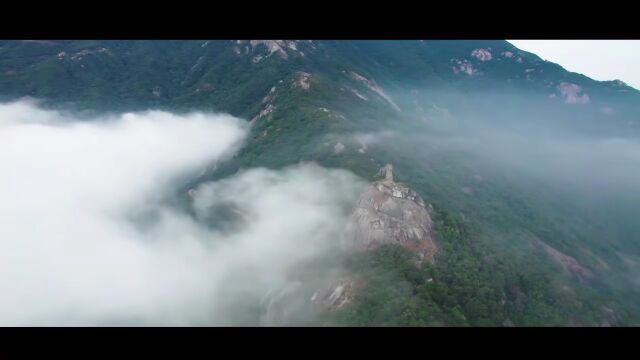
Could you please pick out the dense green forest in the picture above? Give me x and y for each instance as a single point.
(471, 285)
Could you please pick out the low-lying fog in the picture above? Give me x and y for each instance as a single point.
(88, 238)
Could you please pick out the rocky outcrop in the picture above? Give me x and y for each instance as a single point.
(262, 49)
(568, 263)
(482, 54)
(371, 84)
(337, 293)
(302, 300)
(77, 56)
(573, 94)
(302, 80)
(389, 212)
(463, 66)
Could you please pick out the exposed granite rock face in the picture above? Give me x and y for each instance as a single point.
(302, 300)
(463, 66)
(482, 54)
(302, 80)
(337, 293)
(573, 94)
(389, 212)
(375, 88)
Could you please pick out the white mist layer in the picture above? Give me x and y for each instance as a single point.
(70, 253)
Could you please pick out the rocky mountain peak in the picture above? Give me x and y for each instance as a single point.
(389, 212)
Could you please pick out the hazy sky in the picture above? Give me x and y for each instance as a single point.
(598, 59)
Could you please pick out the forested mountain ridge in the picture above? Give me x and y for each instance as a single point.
(516, 247)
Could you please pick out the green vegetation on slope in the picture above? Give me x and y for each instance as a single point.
(471, 284)
(487, 272)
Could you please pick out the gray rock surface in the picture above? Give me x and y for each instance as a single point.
(337, 293)
(389, 212)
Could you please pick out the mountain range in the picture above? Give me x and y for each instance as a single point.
(526, 169)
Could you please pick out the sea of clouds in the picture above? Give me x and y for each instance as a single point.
(88, 238)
